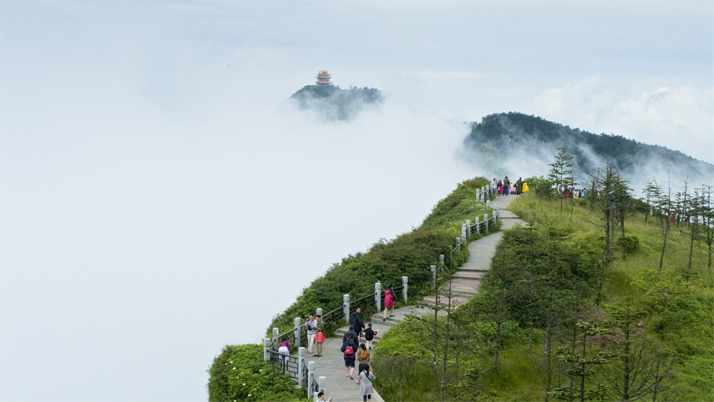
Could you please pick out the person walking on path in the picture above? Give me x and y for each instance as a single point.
(506, 185)
(525, 187)
(284, 351)
(499, 187)
(349, 348)
(319, 336)
(357, 322)
(369, 335)
(365, 386)
(389, 298)
(362, 359)
(349, 334)
(321, 397)
(519, 186)
(311, 325)
(494, 186)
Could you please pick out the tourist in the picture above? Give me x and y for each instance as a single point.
(284, 351)
(349, 334)
(389, 298)
(319, 336)
(506, 185)
(321, 397)
(311, 325)
(369, 334)
(362, 359)
(499, 187)
(519, 186)
(357, 322)
(349, 349)
(494, 186)
(365, 387)
(525, 187)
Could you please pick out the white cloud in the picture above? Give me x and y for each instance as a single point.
(678, 117)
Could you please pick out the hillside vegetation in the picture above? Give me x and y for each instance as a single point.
(501, 137)
(333, 103)
(239, 372)
(557, 320)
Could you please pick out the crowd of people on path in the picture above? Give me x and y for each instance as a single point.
(356, 344)
(505, 187)
(569, 193)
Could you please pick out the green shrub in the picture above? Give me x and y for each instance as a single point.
(632, 243)
(239, 373)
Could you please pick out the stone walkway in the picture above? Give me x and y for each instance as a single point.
(464, 283)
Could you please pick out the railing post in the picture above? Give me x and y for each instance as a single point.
(488, 203)
(320, 386)
(276, 332)
(378, 296)
(318, 312)
(346, 308)
(485, 220)
(478, 194)
(405, 283)
(478, 225)
(458, 243)
(463, 231)
(468, 227)
(266, 349)
(297, 331)
(301, 364)
(498, 212)
(310, 376)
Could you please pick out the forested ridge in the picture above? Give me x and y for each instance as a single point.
(333, 103)
(498, 136)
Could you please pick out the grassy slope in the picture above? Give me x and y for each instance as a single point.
(687, 329)
(693, 337)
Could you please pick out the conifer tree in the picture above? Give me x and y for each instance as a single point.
(665, 208)
(707, 213)
(561, 172)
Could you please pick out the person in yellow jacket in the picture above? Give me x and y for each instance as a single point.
(525, 187)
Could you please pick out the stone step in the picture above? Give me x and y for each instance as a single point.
(468, 275)
(459, 293)
(458, 300)
(377, 318)
(465, 268)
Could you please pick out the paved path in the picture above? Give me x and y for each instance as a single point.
(464, 285)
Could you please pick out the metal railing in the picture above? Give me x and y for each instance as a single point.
(288, 364)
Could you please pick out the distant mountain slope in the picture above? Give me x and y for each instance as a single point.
(506, 140)
(334, 103)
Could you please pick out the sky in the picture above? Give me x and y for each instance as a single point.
(160, 198)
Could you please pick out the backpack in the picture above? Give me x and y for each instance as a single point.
(349, 352)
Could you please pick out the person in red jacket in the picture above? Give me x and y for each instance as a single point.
(389, 298)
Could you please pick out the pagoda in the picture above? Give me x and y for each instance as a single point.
(323, 78)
